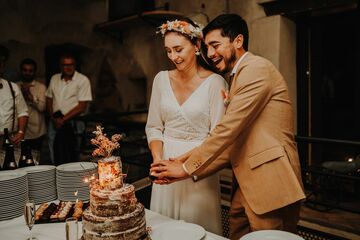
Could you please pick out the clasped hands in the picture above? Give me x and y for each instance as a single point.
(168, 171)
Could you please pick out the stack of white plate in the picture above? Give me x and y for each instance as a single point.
(13, 194)
(41, 183)
(70, 182)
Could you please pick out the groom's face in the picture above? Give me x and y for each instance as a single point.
(220, 51)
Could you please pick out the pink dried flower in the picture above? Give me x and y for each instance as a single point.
(105, 147)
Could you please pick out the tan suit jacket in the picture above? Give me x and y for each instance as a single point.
(256, 135)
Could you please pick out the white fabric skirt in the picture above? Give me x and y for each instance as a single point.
(194, 202)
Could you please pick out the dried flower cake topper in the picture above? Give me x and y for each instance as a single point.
(181, 27)
(105, 146)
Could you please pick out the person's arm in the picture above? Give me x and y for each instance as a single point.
(217, 110)
(22, 115)
(252, 93)
(156, 148)
(155, 125)
(22, 121)
(76, 111)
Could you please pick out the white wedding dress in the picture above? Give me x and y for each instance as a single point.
(181, 128)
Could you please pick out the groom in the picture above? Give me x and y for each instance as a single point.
(256, 135)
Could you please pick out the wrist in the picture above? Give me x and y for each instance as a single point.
(21, 132)
(185, 169)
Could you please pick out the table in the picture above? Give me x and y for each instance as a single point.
(16, 229)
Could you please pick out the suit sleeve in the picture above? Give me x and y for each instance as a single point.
(217, 110)
(252, 92)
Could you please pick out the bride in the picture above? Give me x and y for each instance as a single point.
(186, 103)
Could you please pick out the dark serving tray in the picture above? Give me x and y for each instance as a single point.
(52, 208)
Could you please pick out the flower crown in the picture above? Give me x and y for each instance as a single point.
(182, 27)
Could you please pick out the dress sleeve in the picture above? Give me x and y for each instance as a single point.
(155, 124)
(217, 106)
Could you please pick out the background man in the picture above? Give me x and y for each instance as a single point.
(66, 97)
(256, 135)
(34, 95)
(13, 109)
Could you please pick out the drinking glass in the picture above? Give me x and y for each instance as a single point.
(29, 214)
(71, 228)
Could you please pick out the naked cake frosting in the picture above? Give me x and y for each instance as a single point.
(114, 212)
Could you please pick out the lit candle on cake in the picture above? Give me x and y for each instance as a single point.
(109, 168)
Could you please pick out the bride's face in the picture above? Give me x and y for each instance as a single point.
(180, 50)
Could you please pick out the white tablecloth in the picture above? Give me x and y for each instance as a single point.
(16, 228)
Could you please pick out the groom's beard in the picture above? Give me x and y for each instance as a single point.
(229, 62)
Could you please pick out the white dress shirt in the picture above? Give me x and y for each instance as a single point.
(36, 126)
(67, 94)
(6, 106)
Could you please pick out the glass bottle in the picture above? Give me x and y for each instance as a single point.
(9, 162)
(26, 158)
(6, 139)
(6, 142)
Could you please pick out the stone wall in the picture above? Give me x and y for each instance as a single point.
(122, 68)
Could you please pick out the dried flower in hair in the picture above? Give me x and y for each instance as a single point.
(181, 27)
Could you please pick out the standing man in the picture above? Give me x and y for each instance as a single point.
(34, 94)
(256, 135)
(67, 96)
(13, 109)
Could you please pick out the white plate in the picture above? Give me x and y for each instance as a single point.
(11, 174)
(177, 230)
(38, 168)
(76, 166)
(271, 235)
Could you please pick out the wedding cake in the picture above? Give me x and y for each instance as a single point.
(114, 212)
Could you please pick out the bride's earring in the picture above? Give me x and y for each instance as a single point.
(197, 52)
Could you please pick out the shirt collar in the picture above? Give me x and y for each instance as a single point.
(234, 70)
(72, 78)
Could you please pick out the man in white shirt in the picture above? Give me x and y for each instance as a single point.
(67, 96)
(34, 95)
(13, 109)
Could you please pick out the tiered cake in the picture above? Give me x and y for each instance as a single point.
(114, 212)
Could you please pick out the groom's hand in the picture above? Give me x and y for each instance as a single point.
(168, 171)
